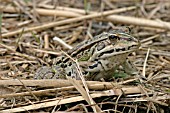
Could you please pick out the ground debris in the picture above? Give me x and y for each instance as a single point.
(26, 43)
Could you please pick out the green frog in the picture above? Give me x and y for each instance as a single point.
(98, 58)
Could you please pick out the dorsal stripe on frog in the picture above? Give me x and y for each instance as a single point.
(87, 44)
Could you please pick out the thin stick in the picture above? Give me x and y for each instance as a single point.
(50, 83)
(62, 42)
(39, 92)
(57, 83)
(144, 65)
(48, 12)
(86, 94)
(150, 38)
(139, 21)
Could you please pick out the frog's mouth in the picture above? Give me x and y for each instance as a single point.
(117, 51)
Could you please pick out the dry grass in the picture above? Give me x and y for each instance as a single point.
(27, 32)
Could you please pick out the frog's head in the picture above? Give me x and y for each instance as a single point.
(116, 43)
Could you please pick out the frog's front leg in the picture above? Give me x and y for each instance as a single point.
(129, 67)
(97, 70)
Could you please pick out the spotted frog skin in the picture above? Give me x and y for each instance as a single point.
(98, 58)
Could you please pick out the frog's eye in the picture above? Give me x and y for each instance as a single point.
(114, 38)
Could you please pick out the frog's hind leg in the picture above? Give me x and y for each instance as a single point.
(44, 72)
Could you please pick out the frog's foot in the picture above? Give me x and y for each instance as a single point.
(130, 68)
(45, 72)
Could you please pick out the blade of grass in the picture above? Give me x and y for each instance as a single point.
(1, 15)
